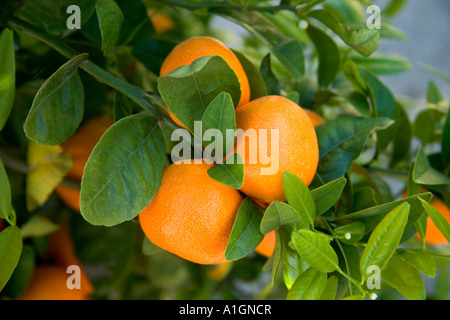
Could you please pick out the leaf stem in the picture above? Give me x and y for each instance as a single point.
(355, 282)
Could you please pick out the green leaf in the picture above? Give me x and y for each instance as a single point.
(402, 142)
(271, 82)
(364, 198)
(421, 260)
(122, 107)
(310, 285)
(330, 291)
(423, 173)
(292, 264)
(10, 251)
(446, 140)
(341, 141)
(22, 274)
(278, 214)
(128, 160)
(439, 220)
(245, 235)
(329, 55)
(257, 85)
(363, 41)
(434, 95)
(327, 195)
(5, 195)
(383, 63)
(110, 20)
(38, 226)
(355, 229)
(287, 50)
(7, 75)
(276, 257)
(149, 248)
(435, 72)
(152, 53)
(315, 250)
(48, 166)
(217, 118)
(299, 197)
(230, 174)
(93, 246)
(405, 278)
(373, 215)
(188, 90)
(58, 107)
(385, 239)
(427, 125)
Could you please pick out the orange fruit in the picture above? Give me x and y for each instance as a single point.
(191, 215)
(193, 48)
(314, 117)
(62, 250)
(160, 21)
(49, 282)
(433, 235)
(79, 146)
(267, 245)
(297, 150)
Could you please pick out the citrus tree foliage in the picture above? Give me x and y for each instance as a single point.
(378, 170)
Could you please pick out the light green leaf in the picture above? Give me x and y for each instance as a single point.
(299, 197)
(356, 230)
(385, 239)
(7, 74)
(5, 194)
(10, 250)
(421, 260)
(327, 195)
(37, 226)
(423, 173)
(405, 278)
(331, 289)
(315, 250)
(439, 220)
(278, 214)
(58, 106)
(245, 235)
(128, 160)
(310, 285)
(110, 20)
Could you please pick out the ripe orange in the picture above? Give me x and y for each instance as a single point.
(49, 282)
(62, 250)
(267, 245)
(160, 21)
(297, 152)
(79, 146)
(314, 117)
(433, 235)
(193, 48)
(191, 215)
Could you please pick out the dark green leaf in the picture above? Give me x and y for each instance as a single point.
(327, 195)
(230, 174)
(245, 235)
(22, 274)
(149, 248)
(110, 20)
(315, 250)
(299, 197)
(310, 285)
(427, 125)
(5, 194)
(421, 260)
(278, 214)
(287, 50)
(364, 41)
(439, 220)
(151, 53)
(329, 55)
(364, 198)
(271, 82)
(217, 118)
(7, 75)
(405, 278)
(402, 142)
(341, 141)
(128, 160)
(58, 107)
(446, 140)
(423, 173)
(10, 251)
(188, 90)
(385, 239)
(257, 85)
(123, 106)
